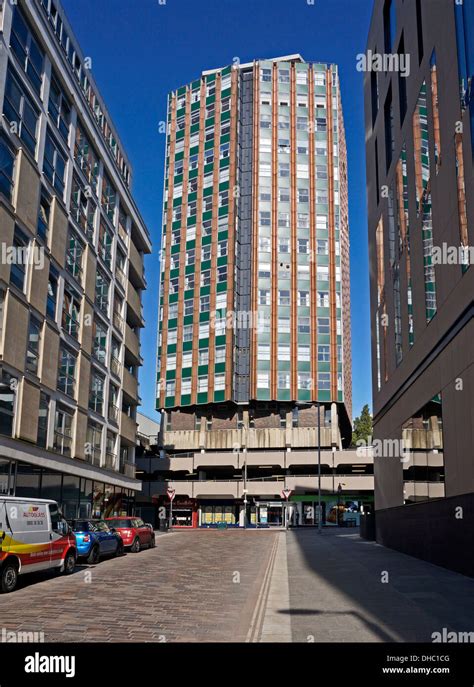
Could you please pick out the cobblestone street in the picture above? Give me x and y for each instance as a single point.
(194, 586)
(246, 586)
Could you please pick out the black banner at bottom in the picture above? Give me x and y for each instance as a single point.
(375, 664)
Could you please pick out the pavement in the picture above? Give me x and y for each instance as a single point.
(246, 586)
(345, 589)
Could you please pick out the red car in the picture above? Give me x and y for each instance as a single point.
(135, 534)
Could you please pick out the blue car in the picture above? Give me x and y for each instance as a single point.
(94, 538)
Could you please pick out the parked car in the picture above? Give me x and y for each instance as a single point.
(134, 532)
(33, 536)
(95, 538)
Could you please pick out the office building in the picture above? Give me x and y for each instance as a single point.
(419, 135)
(71, 274)
(255, 335)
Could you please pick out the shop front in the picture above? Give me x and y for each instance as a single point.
(184, 513)
(77, 497)
(336, 509)
(219, 513)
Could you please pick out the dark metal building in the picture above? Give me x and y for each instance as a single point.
(419, 142)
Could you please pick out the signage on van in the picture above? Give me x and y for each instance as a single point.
(33, 536)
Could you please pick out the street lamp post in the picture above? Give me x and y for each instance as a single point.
(320, 524)
(339, 490)
(245, 488)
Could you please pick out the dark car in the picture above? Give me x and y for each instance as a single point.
(94, 539)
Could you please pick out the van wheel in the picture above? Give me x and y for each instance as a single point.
(9, 576)
(93, 556)
(69, 563)
(135, 548)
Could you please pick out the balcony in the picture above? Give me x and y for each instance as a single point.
(123, 234)
(115, 366)
(419, 439)
(128, 428)
(270, 487)
(136, 263)
(119, 322)
(114, 414)
(264, 438)
(111, 461)
(134, 303)
(419, 491)
(130, 384)
(121, 278)
(128, 469)
(132, 342)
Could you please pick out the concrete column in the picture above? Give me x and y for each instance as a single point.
(299, 509)
(335, 434)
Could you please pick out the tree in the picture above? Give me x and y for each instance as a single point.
(362, 426)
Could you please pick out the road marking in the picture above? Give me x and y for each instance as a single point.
(276, 626)
(255, 628)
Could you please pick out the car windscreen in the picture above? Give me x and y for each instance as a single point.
(118, 523)
(79, 525)
(101, 525)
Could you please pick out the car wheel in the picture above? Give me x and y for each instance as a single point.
(135, 548)
(152, 542)
(9, 577)
(94, 555)
(119, 549)
(69, 563)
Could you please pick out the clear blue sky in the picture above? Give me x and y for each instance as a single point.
(142, 49)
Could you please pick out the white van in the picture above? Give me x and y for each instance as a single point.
(33, 536)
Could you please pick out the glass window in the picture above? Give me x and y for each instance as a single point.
(99, 342)
(102, 291)
(32, 349)
(7, 403)
(63, 430)
(7, 160)
(27, 50)
(74, 253)
(18, 266)
(96, 396)
(105, 244)
(71, 313)
(324, 355)
(43, 417)
(27, 480)
(203, 356)
(86, 157)
(52, 295)
(59, 107)
(83, 209)
(51, 484)
(109, 198)
(54, 164)
(323, 325)
(324, 381)
(20, 112)
(94, 442)
(44, 214)
(67, 371)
